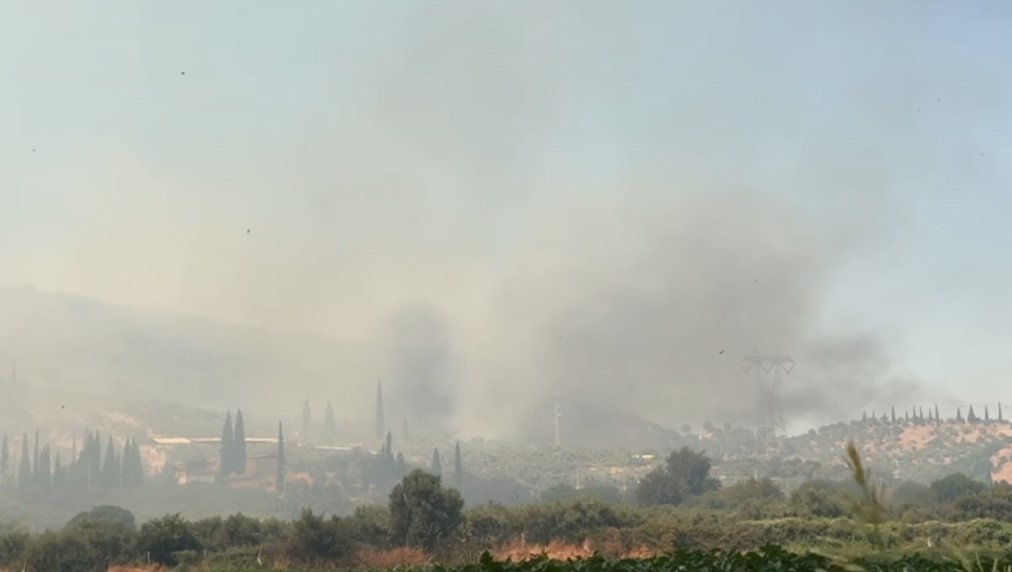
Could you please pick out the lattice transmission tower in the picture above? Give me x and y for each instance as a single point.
(767, 371)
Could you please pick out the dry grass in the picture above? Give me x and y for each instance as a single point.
(557, 550)
(871, 509)
(377, 559)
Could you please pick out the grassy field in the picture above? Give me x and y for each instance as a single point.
(770, 559)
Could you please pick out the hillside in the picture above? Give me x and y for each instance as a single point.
(77, 357)
(920, 451)
(905, 450)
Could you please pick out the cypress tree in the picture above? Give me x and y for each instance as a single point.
(971, 417)
(138, 472)
(111, 466)
(306, 422)
(25, 466)
(379, 421)
(999, 412)
(125, 464)
(96, 460)
(987, 414)
(5, 461)
(329, 425)
(959, 415)
(458, 466)
(35, 451)
(43, 473)
(892, 415)
(937, 416)
(240, 445)
(226, 464)
(133, 472)
(279, 481)
(58, 479)
(137, 465)
(437, 465)
(906, 416)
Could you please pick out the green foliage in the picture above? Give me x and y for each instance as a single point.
(13, 543)
(819, 498)
(109, 532)
(909, 493)
(370, 525)
(61, 552)
(685, 473)
(955, 486)
(315, 539)
(102, 515)
(763, 489)
(422, 512)
(161, 538)
(571, 522)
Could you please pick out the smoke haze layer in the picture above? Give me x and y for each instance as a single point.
(492, 208)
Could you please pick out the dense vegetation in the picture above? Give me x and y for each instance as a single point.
(682, 509)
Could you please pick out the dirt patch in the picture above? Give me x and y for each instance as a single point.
(1002, 470)
(131, 421)
(916, 437)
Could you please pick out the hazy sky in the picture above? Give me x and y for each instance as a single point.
(389, 153)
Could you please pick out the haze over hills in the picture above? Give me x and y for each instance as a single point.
(69, 347)
(129, 373)
(77, 351)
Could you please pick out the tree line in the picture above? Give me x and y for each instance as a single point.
(232, 455)
(37, 468)
(916, 415)
(424, 516)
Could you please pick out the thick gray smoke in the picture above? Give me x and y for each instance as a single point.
(422, 368)
(494, 208)
(621, 308)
